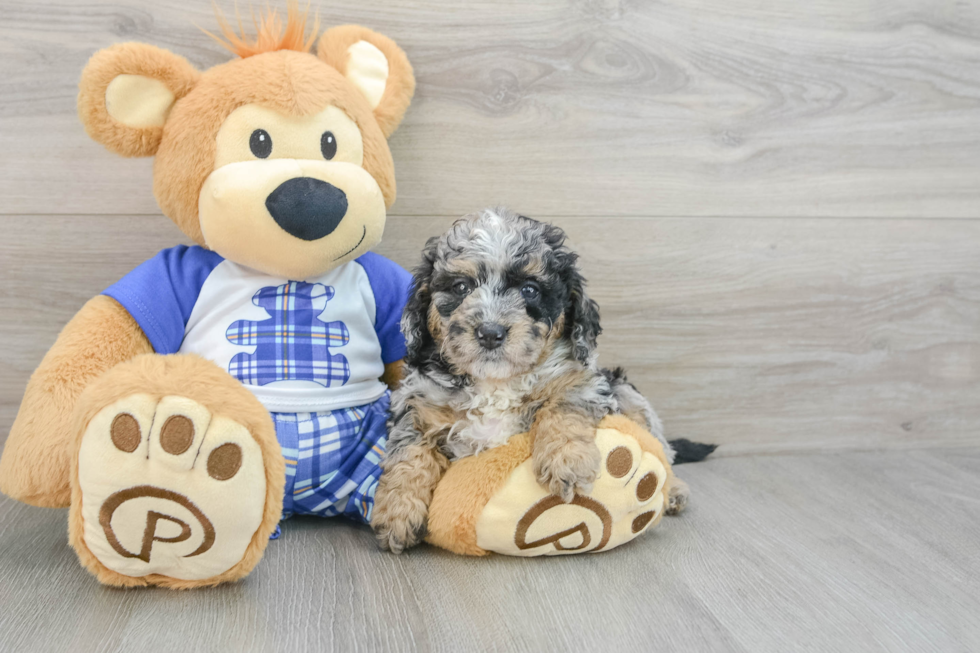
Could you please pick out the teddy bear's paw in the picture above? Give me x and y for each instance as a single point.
(168, 488)
(627, 498)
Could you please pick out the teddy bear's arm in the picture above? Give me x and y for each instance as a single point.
(35, 462)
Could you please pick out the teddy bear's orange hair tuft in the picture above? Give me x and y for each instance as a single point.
(270, 32)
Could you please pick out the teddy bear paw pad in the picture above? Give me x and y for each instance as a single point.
(168, 488)
(523, 519)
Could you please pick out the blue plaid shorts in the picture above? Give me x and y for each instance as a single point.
(333, 459)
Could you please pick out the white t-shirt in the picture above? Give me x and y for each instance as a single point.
(299, 346)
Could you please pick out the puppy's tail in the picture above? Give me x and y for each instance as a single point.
(635, 406)
(686, 451)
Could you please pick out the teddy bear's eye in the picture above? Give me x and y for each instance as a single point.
(328, 145)
(260, 143)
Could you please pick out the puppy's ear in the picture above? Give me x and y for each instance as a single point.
(126, 93)
(415, 319)
(376, 66)
(582, 319)
(581, 313)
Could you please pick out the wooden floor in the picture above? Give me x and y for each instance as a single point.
(846, 552)
(778, 209)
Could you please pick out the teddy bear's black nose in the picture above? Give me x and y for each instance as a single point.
(307, 208)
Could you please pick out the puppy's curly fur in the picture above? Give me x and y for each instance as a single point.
(501, 339)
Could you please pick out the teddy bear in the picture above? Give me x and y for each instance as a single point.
(219, 388)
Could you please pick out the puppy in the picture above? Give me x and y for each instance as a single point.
(501, 339)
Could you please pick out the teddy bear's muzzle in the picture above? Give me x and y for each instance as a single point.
(291, 218)
(307, 208)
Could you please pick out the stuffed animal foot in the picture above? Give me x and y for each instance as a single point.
(176, 484)
(493, 503)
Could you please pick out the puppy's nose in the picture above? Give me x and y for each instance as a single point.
(491, 336)
(307, 208)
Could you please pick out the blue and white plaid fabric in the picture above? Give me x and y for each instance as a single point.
(292, 343)
(333, 459)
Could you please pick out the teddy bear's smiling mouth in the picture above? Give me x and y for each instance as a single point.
(363, 236)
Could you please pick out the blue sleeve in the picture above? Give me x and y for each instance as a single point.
(390, 284)
(160, 294)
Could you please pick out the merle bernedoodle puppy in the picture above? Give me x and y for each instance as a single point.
(501, 339)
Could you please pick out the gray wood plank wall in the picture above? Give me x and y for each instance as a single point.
(776, 204)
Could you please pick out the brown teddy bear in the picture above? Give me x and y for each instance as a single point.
(217, 388)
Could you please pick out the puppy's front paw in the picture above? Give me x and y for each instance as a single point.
(568, 468)
(399, 521)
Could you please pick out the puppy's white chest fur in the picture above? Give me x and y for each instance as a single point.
(492, 414)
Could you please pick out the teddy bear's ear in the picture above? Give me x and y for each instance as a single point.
(126, 94)
(376, 66)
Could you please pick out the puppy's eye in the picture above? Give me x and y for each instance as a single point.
(260, 143)
(328, 145)
(530, 291)
(461, 288)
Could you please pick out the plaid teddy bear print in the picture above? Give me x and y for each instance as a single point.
(293, 344)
